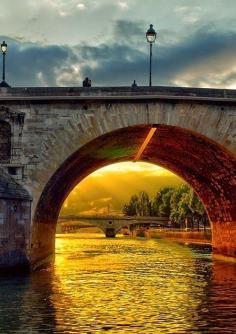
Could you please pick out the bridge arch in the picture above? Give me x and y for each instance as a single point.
(205, 164)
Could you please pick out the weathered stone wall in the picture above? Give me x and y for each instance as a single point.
(224, 240)
(15, 218)
(59, 136)
(14, 235)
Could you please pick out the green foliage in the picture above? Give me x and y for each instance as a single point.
(131, 209)
(144, 204)
(163, 202)
(139, 205)
(181, 205)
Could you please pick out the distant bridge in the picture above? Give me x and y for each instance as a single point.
(111, 225)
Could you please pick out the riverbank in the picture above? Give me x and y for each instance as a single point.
(191, 237)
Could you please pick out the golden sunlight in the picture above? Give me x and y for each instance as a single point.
(110, 187)
(131, 167)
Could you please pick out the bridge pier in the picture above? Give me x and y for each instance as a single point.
(15, 215)
(110, 232)
(224, 240)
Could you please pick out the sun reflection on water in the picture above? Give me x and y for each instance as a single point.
(125, 285)
(122, 285)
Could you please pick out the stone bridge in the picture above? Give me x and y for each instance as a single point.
(111, 225)
(52, 138)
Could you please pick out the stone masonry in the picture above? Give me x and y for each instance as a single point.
(60, 135)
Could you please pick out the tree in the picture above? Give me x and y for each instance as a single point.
(161, 202)
(181, 205)
(197, 209)
(176, 215)
(144, 204)
(131, 209)
(185, 213)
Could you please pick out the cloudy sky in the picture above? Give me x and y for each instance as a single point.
(109, 188)
(59, 42)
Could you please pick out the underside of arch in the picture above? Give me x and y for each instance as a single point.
(205, 165)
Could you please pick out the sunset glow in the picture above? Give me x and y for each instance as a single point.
(110, 187)
(135, 167)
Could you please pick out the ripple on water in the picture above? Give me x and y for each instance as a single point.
(122, 285)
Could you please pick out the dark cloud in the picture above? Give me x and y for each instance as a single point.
(121, 63)
(128, 33)
(204, 57)
(29, 64)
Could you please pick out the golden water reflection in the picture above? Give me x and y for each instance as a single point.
(122, 285)
(128, 285)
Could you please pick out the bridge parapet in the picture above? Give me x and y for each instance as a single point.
(91, 93)
(111, 217)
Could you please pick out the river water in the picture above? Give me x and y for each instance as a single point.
(122, 285)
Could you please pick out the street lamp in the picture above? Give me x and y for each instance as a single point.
(151, 38)
(4, 51)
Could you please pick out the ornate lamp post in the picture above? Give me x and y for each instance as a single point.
(151, 38)
(4, 51)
